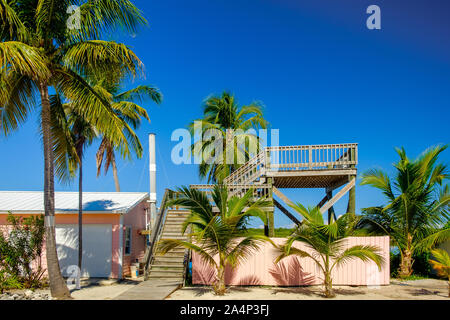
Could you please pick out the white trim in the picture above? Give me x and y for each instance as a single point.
(120, 275)
(144, 197)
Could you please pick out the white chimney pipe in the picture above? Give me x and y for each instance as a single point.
(152, 167)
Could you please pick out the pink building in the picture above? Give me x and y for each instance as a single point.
(112, 228)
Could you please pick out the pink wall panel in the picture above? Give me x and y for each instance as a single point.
(260, 269)
(113, 219)
(135, 219)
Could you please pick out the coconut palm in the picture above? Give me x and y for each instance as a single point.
(326, 243)
(38, 51)
(218, 235)
(416, 208)
(441, 264)
(233, 142)
(126, 108)
(82, 135)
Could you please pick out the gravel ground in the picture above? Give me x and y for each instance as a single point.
(426, 289)
(95, 289)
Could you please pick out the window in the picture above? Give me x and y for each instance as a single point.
(128, 240)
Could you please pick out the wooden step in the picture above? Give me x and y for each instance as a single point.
(168, 268)
(174, 234)
(160, 261)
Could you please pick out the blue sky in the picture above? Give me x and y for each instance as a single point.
(321, 74)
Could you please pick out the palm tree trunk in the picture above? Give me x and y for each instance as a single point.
(220, 288)
(114, 168)
(58, 287)
(406, 259)
(329, 293)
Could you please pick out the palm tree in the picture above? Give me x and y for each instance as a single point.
(441, 264)
(221, 233)
(326, 242)
(83, 134)
(223, 116)
(416, 208)
(126, 109)
(38, 51)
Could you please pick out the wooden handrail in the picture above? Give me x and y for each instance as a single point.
(156, 233)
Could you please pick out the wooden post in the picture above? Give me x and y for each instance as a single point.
(331, 212)
(270, 229)
(351, 206)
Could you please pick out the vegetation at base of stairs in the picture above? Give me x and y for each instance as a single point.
(19, 251)
(223, 234)
(279, 232)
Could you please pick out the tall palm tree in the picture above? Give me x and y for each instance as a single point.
(326, 242)
(221, 234)
(83, 134)
(222, 115)
(416, 208)
(441, 263)
(38, 51)
(126, 108)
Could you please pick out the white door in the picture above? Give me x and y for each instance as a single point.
(97, 250)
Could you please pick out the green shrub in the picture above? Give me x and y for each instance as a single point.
(22, 246)
(8, 282)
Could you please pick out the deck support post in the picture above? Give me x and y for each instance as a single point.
(338, 195)
(269, 228)
(351, 206)
(331, 213)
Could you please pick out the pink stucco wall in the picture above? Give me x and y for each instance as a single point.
(135, 219)
(260, 269)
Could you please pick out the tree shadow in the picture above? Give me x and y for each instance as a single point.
(290, 273)
(231, 278)
(307, 291)
(203, 273)
(424, 292)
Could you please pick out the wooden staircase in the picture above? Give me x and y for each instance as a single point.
(171, 265)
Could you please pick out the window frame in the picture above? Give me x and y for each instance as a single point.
(128, 238)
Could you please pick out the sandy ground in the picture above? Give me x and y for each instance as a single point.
(427, 289)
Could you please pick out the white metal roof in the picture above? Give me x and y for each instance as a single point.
(67, 202)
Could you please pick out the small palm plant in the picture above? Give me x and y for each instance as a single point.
(441, 264)
(327, 242)
(219, 234)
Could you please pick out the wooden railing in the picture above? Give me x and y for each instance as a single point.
(249, 172)
(312, 157)
(156, 232)
(259, 191)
